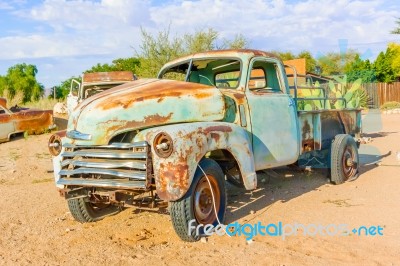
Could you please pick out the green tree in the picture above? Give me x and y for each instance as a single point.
(383, 67)
(395, 50)
(200, 41)
(63, 90)
(120, 64)
(334, 63)
(156, 50)
(21, 78)
(238, 42)
(311, 63)
(284, 55)
(360, 69)
(397, 29)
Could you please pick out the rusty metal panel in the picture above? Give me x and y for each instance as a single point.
(173, 175)
(307, 132)
(33, 121)
(336, 122)
(143, 104)
(310, 131)
(107, 76)
(351, 121)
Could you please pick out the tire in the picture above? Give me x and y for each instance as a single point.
(198, 203)
(86, 212)
(344, 159)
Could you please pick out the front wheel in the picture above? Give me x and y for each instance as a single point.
(86, 212)
(344, 159)
(205, 200)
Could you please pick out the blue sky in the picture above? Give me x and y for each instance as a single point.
(63, 38)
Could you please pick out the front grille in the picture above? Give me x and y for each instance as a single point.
(118, 165)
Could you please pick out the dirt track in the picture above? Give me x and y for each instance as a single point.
(37, 228)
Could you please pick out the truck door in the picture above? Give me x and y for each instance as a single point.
(273, 116)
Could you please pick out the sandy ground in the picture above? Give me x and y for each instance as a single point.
(36, 227)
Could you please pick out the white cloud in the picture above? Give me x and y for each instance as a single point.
(109, 28)
(10, 5)
(308, 24)
(89, 16)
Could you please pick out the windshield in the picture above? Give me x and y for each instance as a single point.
(220, 73)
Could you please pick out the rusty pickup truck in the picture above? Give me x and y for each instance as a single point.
(209, 118)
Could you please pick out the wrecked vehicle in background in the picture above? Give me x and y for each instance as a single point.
(93, 83)
(22, 120)
(208, 116)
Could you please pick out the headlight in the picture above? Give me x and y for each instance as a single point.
(163, 145)
(55, 144)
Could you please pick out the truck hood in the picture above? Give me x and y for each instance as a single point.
(145, 103)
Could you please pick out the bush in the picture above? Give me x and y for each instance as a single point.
(390, 105)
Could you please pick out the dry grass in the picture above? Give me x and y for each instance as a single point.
(44, 104)
(45, 180)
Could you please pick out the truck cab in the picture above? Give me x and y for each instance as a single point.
(208, 118)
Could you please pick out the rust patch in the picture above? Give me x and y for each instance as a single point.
(306, 130)
(153, 90)
(156, 119)
(175, 174)
(149, 120)
(108, 76)
(217, 128)
(348, 122)
(215, 136)
(238, 96)
(307, 145)
(61, 133)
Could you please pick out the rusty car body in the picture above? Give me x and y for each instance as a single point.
(93, 83)
(21, 120)
(206, 118)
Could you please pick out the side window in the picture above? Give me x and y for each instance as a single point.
(175, 76)
(257, 79)
(227, 79)
(264, 77)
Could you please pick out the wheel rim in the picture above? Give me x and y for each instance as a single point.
(203, 200)
(349, 162)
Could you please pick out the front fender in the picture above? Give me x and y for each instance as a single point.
(191, 141)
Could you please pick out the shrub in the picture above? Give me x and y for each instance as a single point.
(390, 105)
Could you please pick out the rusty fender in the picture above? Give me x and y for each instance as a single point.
(174, 174)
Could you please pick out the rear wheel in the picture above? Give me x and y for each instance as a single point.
(205, 198)
(85, 212)
(344, 159)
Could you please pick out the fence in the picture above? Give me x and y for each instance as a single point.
(379, 93)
